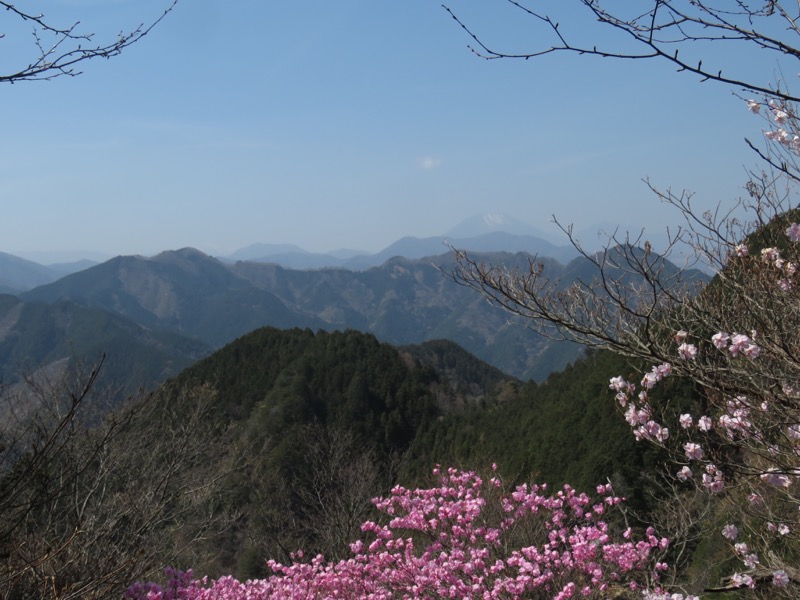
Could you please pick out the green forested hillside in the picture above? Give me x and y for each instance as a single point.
(567, 429)
(275, 379)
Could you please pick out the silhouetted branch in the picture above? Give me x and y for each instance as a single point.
(60, 50)
(664, 29)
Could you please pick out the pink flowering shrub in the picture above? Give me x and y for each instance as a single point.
(464, 538)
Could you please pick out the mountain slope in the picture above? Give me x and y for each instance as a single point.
(34, 335)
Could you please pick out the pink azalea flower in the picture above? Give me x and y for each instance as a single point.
(664, 369)
(750, 560)
(770, 255)
(687, 351)
(780, 578)
(618, 384)
(740, 343)
(693, 451)
(730, 532)
(720, 340)
(704, 423)
(777, 479)
(740, 580)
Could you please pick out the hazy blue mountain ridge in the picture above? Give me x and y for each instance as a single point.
(292, 257)
(18, 274)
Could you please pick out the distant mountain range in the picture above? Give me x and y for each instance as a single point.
(293, 257)
(403, 301)
(401, 294)
(491, 232)
(19, 275)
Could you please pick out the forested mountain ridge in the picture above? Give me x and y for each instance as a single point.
(300, 401)
(328, 420)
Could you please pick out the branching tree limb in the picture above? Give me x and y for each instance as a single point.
(61, 50)
(87, 507)
(662, 29)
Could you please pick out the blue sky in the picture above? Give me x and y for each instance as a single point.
(344, 124)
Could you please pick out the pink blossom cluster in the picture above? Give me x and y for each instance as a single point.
(781, 115)
(786, 269)
(734, 422)
(639, 413)
(736, 344)
(750, 559)
(462, 539)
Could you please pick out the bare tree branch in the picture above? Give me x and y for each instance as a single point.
(667, 27)
(86, 507)
(60, 51)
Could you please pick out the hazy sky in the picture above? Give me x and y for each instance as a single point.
(344, 124)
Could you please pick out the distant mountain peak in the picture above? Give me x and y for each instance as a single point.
(493, 222)
(187, 252)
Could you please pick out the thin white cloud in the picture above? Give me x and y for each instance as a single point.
(429, 163)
